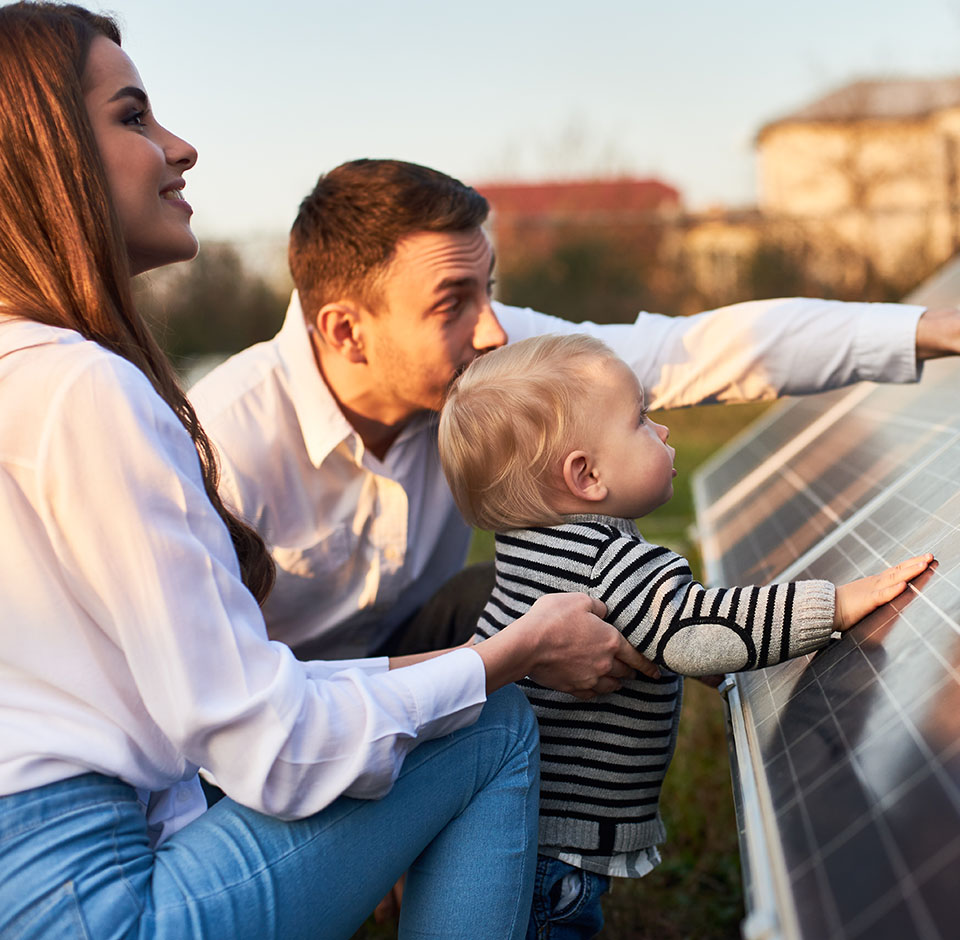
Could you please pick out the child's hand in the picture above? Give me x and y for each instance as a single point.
(863, 596)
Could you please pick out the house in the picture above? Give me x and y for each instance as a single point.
(870, 169)
(859, 197)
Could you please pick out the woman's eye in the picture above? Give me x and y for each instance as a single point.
(136, 119)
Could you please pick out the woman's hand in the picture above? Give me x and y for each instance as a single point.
(562, 643)
(863, 596)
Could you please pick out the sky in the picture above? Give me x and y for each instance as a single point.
(273, 94)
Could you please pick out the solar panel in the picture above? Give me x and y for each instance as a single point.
(846, 763)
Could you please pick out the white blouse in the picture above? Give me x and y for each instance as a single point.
(128, 643)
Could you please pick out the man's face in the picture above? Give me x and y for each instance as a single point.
(434, 318)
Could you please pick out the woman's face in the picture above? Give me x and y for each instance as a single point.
(145, 163)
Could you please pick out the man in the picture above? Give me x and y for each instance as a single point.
(327, 432)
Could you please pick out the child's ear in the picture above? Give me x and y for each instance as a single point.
(339, 325)
(582, 477)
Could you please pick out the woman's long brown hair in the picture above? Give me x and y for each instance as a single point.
(62, 257)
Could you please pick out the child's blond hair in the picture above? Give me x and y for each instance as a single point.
(509, 421)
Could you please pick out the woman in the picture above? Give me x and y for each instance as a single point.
(125, 580)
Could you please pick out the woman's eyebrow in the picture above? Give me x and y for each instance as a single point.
(130, 91)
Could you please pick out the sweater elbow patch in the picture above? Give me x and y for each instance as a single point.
(702, 649)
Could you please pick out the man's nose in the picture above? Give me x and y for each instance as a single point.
(488, 333)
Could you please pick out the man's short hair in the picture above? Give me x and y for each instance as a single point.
(347, 229)
(509, 421)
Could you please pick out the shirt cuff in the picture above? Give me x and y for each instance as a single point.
(450, 691)
(887, 343)
(813, 616)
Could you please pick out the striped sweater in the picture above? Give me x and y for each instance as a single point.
(603, 761)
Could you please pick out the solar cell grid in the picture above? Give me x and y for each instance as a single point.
(800, 497)
(855, 751)
(782, 423)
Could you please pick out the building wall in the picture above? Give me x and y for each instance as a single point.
(886, 189)
(814, 169)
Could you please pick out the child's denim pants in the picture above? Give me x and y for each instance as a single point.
(565, 909)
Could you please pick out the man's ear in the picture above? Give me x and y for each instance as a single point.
(582, 477)
(339, 326)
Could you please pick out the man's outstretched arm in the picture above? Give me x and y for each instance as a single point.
(761, 349)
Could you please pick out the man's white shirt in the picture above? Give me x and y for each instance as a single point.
(361, 544)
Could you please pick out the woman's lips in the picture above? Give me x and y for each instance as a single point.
(176, 197)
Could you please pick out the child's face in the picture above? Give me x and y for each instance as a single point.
(631, 452)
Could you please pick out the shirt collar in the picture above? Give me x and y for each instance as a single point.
(321, 421)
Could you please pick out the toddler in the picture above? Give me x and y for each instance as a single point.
(547, 443)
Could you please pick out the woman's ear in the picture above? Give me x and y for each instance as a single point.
(338, 325)
(582, 478)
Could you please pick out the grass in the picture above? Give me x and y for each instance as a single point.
(695, 894)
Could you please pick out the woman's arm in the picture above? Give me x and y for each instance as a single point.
(171, 648)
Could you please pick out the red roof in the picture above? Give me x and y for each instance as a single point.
(614, 195)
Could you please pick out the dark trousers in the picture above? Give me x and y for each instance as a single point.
(449, 618)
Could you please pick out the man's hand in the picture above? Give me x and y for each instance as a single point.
(562, 643)
(938, 333)
(859, 598)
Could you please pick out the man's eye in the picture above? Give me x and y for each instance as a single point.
(450, 307)
(490, 286)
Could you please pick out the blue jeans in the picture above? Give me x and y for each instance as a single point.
(462, 817)
(575, 916)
